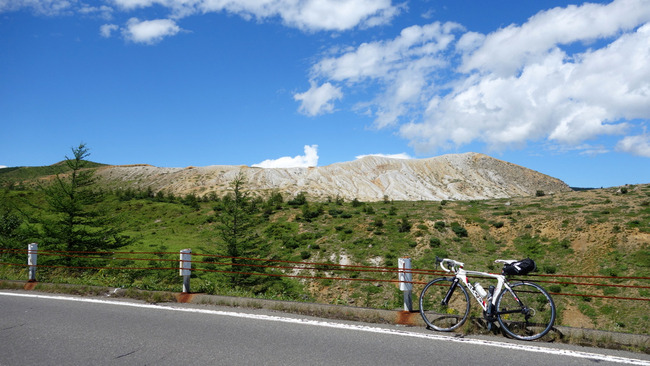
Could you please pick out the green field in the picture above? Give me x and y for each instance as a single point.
(603, 232)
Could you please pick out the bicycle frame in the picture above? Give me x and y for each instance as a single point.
(460, 275)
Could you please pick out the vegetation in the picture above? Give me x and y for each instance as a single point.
(74, 217)
(593, 232)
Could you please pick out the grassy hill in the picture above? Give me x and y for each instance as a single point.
(601, 232)
(14, 176)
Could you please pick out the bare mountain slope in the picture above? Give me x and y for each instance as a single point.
(448, 177)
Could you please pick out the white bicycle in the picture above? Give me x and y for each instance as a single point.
(523, 309)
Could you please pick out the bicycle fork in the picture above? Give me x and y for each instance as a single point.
(450, 292)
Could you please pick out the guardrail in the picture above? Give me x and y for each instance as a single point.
(406, 276)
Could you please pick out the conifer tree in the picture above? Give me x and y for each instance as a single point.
(75, 219)
(237, 220)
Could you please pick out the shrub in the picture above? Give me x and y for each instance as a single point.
(434, 242)
(299, 200)
(555, 289)
(439, 225)
(335, 212)
(311, 212)
(460, 231)
(404, 225)
(498, 224)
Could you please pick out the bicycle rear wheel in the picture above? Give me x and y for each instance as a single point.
(444, 315)
(526, 313)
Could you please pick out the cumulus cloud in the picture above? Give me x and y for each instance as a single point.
(635, 145)
(444, 87)
(318, 99)
(506, 50)
(391, 156)
(308, 15)
(400, 66)
(149, 31)
(3, 166)
(107, 30)
(310, 159)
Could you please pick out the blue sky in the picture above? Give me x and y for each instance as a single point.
(561, 87)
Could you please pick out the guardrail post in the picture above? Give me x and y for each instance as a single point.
(185, 268)
(32, 254)
(405, 285)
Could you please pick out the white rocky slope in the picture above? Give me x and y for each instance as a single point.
(448, 177)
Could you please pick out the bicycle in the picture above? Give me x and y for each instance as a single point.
(524, 310)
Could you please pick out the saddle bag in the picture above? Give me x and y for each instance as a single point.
(520, 268)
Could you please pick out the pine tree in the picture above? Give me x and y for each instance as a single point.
(236, 223)
(76, 220)
(11, 235)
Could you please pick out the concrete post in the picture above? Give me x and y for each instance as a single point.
(185, 268)
(32, 254)
(405, 285)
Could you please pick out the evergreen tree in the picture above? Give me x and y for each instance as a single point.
(11, 235)
(236, 223)
(76, 220)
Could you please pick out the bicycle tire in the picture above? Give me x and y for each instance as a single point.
(444, 318)
(532, 320)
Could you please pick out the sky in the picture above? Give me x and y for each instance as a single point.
(560, 87)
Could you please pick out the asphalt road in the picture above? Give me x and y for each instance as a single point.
(41, 329)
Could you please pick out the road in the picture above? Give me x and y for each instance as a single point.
(47, 329)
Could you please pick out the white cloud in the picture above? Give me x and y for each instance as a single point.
(507, 50)
(149, 31)
(635, 145)
(391, 156)
(103, 11)
(400, 66)
(3, 166)
(41, 7)
(309, 15)
(107, 29)
(310, 159)
(445, 88)
(318, 99)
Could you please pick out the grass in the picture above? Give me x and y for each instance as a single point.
(596, 232)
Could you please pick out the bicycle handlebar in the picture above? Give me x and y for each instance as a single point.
(454, 264)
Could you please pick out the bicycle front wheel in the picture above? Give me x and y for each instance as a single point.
(444, 304)
(526, 313)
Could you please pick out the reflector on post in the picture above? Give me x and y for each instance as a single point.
(185, 268)
(405, 279)
(32, 258)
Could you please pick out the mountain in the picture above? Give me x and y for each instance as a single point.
(448, 177)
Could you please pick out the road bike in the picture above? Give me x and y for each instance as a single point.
(524, 310)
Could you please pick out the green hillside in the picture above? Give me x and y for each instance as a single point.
(13, 176)
(602, 232)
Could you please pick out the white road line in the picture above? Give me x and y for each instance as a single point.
(363, 328)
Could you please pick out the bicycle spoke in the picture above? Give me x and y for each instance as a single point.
(438, 314)
(529, 318)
